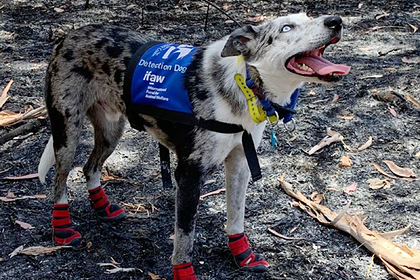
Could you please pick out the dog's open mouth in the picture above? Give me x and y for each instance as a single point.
(312, 63)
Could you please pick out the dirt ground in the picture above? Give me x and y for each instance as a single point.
(378, 43)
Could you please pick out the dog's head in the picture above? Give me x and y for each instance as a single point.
(291, 47)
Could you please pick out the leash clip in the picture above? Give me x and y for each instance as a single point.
(290, 128)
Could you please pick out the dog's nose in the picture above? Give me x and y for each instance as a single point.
(333, 22)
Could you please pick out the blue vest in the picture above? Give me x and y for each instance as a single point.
(158, 78)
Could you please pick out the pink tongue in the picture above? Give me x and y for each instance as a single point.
(322, 66)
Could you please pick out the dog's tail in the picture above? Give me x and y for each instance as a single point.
(47, 160)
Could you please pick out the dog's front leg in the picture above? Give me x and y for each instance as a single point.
(237, 178)
(189, 177)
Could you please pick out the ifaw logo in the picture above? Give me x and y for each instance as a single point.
(152, 78)
(183, 51)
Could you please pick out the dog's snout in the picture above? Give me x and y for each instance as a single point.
(333, 22)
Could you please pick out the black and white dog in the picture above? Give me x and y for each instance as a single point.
(85, 77)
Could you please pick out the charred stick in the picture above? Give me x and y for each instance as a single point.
(207, 17)
(31, 126)
(223, 12)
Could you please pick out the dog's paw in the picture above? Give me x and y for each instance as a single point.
(184, 271)
(245, 258)
(106, 211)
(67, 236)
(63, 231)
(254, 262)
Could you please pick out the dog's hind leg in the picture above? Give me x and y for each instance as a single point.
(108, 128)
(189, 177)
(237, 178)
(66, 125)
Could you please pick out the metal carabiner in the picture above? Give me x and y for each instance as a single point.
(292, 128)
(276, 121)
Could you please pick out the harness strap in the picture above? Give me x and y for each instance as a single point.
(183, 118)
(251, 156)
(165, 166)
(188, 119)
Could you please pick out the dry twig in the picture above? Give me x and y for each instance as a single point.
(36, 250)
(327, 140)
(9, 118)
(221, 10)
(366, 145)
(411, 99)
(272, 231)
(219, 191)
(116, 268)
(30, 127)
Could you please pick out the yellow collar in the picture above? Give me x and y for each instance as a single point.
(257, 113)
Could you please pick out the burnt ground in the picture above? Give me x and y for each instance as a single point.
(27, 33)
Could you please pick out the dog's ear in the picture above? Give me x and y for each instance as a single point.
(239, 41)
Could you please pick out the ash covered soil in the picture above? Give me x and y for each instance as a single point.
(375, 46)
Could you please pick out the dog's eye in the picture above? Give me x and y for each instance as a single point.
(286, 28)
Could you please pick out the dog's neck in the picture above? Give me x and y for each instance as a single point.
(276, 87)
(233, 107)
(280, 95)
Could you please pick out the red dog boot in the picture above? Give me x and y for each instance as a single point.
(63, 231)
(184, 271)
(106, 211)
(245, 258)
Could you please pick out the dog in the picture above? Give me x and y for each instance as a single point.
(85, 77)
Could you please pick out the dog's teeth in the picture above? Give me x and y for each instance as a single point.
(304, 67)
